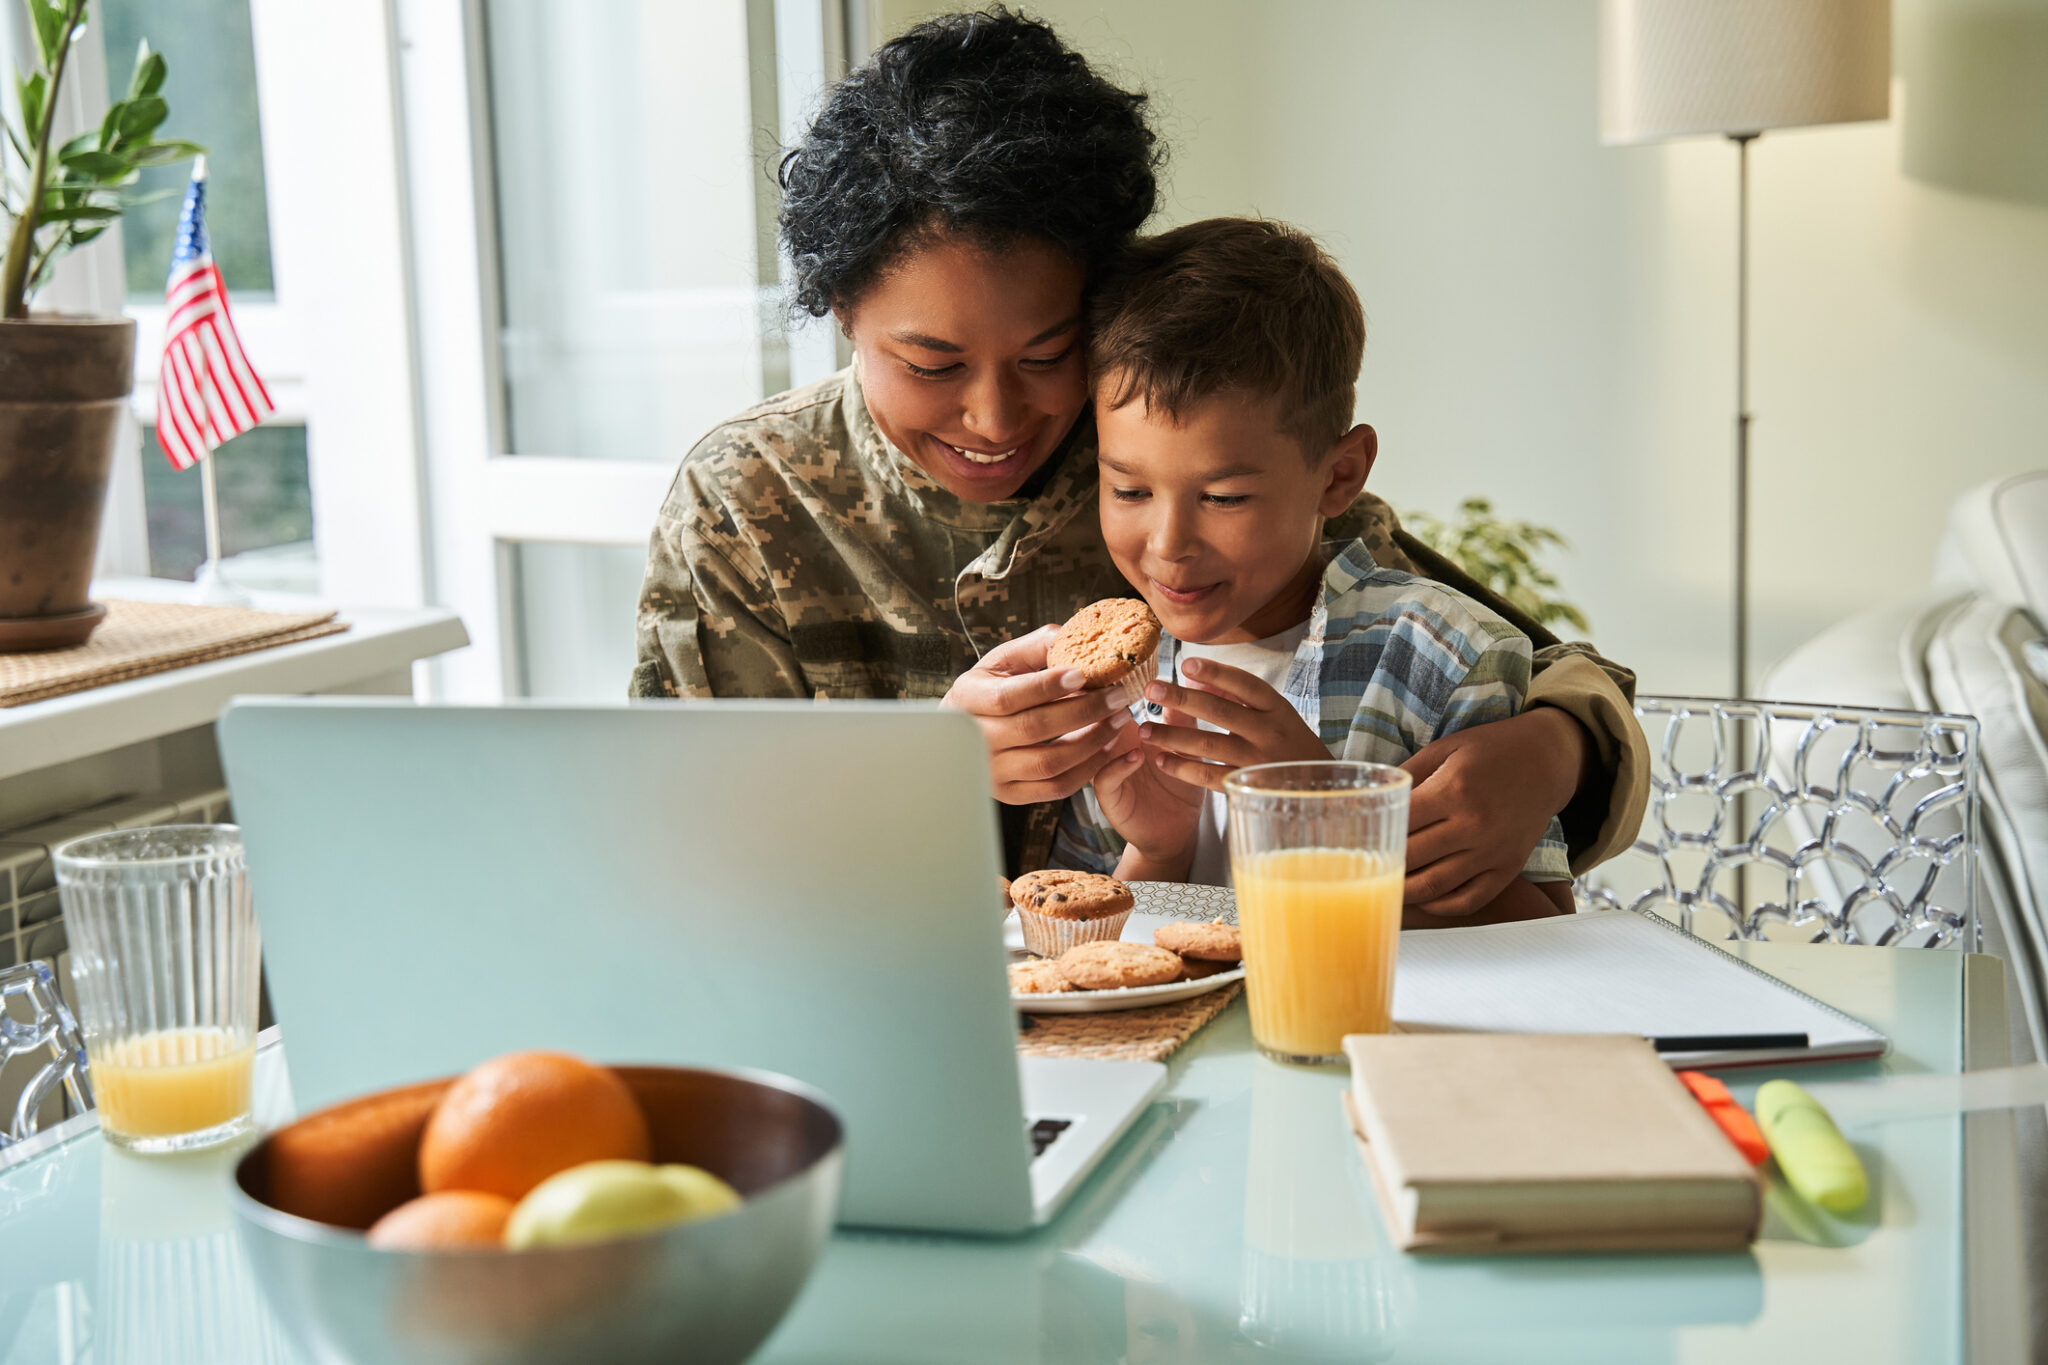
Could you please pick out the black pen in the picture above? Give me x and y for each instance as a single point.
(1728, 1042)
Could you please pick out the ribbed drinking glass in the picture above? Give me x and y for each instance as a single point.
(1317, 852)
(165, 955)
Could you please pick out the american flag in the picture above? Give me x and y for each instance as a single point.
(206, 389)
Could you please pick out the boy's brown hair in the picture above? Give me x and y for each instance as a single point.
(1231, 305)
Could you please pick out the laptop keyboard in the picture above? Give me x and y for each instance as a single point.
(1045, 1132)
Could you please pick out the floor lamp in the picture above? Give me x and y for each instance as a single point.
(1736, 69)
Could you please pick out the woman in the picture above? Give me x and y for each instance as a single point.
(909, 526)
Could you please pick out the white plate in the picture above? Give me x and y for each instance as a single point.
(1158, 903)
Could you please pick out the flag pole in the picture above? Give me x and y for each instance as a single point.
(210, 506)
(214, 587)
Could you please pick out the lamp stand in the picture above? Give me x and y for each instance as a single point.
(1741, 649)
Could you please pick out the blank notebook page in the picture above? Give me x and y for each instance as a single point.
(1610, 971)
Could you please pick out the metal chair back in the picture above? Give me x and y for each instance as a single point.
(49, 1029)
(1796, 823)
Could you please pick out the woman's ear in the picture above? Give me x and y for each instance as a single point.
(845, 323)
(1345, 468)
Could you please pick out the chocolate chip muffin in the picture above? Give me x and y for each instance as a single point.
(1060, 907)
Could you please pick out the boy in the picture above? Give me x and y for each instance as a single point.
(1225, 357)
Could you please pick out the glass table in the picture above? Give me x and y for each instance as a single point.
(1233, 1223)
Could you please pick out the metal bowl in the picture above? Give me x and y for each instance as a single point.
(706, 1292)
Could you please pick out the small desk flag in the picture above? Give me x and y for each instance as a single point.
(206, 389)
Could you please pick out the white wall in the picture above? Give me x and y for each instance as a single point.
(1552, 322)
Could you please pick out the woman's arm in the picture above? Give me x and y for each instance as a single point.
(1520, 899)
(703, 625)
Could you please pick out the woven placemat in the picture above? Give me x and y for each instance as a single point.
(1147, 1035)
(140, 638)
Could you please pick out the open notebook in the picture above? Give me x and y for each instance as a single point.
(1610, 971)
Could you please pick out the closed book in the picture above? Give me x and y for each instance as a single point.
(1506, 1142)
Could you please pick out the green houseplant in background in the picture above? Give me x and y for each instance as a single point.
(63, 379)
(1503, 555)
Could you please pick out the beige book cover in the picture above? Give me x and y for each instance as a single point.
(1543, 1142)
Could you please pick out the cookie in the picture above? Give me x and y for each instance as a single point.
(1195, 968)
(1037, 977)
(1114, 642)
(1211, 942)
(1064, 893)
(1108, 966)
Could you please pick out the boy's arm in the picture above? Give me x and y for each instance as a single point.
(1607, 769)
(1489, 662)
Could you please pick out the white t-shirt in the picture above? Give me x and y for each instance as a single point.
(1268, 660)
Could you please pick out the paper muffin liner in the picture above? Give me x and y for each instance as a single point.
(1131, 686)
(1050, 935)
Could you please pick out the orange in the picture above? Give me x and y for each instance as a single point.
(452, 1218)
(515, 1120)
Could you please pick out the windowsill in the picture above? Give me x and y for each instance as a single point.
(380, 642)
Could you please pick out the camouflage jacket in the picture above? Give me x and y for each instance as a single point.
(799, 554)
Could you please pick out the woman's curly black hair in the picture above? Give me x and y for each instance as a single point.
(984, 124)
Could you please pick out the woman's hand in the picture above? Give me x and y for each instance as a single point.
(1255, 724)
(1482, 799)
(1047, 737)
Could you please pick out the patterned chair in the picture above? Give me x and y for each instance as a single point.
(1804, 823)
(49, 1028)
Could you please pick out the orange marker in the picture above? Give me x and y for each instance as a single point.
(1731, 1117)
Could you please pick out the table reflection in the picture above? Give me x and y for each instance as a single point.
(1319, 1279)
(173, 1283)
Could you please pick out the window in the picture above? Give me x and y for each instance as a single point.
(210, 85)
(265, 505)
(262, 475)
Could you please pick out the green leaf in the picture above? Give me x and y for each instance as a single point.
(162, 153)
(31, 96)
(98, 165)
(149, 72)
(84, 235)
(77, 213)
(49, 23)
(110, 126)
(140, 117)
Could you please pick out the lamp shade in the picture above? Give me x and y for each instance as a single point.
(1678, 68)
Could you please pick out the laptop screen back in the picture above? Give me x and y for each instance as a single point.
(808, 889)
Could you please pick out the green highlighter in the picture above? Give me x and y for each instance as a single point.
(1817, 1160)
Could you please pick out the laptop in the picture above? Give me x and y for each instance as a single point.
(807, 889)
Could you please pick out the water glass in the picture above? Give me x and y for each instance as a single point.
(1317, 853)
(165, 956)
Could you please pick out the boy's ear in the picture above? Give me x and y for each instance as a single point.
(1345, 468)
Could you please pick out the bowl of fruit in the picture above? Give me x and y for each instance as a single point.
(541, 1209)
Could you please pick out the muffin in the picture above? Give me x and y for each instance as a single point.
(1059, 908)
(1115, 644)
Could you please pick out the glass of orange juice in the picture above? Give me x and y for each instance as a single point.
(1317, 855)
(165, 956)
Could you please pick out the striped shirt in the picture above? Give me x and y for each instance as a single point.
(1390, 662)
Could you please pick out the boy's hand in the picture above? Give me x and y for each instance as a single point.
(1259, 725)
(1156, 815)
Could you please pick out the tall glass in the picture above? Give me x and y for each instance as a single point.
(1317, 855)
(165, 953)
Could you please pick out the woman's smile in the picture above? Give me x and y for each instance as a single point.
(971, 360)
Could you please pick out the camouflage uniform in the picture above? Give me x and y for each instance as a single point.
(799, 554)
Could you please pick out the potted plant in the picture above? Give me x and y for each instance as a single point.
(63, 379)
(1503, 556)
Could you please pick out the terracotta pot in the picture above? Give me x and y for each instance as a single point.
(63, 381)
